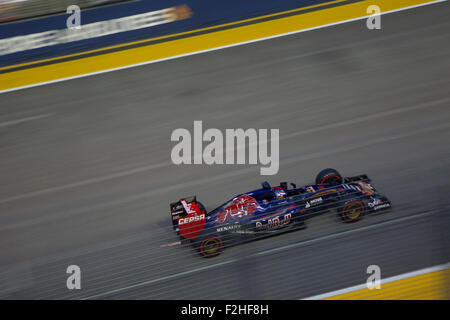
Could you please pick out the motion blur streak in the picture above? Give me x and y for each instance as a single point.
(266, 252)
(117, 122)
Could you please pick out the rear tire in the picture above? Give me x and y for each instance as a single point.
(329, 176)
(209, 245)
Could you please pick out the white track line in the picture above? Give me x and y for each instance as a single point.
(290, 246)
(18, 121)
(87, 182)
(218, 48)
(383, 281)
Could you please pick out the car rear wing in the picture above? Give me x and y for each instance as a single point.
(177, 210)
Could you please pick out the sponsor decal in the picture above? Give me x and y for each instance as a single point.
(11, 10)
(239, 207)
(274, 222)
(192, 225)
(229, 228)
(374, 202)
(382, 206)
(93, 30)
(313, 202)
(188, 207)
(366, 188)
(365, 185)
(191, 219)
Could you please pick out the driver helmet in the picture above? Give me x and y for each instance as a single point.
(279, 193)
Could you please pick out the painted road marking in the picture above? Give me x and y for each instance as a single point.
(294, 245)
(424, 284)
(27, 119)
(135, 57)
(171, 36)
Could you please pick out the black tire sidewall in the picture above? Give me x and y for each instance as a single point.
(326, 173)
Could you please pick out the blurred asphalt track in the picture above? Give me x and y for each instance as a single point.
(87, 178)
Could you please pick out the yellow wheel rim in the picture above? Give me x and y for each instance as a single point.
(353, 211)
(211, 246)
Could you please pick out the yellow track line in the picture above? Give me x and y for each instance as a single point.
(195, 44)
(172, 35)
(428, 286)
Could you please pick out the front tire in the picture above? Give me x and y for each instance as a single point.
(352, 211)
(329, 176)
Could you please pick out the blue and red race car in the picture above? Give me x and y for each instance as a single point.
(270, 210)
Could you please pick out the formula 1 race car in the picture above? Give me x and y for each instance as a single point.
(270, 210)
